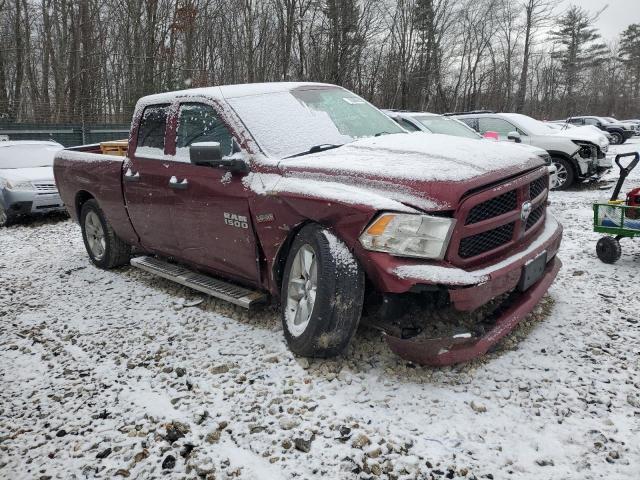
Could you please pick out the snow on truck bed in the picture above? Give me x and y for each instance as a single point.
(112, 373)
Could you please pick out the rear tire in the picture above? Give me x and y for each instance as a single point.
(608, 250)
(322, 294)
(565, 173)
(106, 250)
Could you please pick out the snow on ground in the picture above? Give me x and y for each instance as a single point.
(122, 374)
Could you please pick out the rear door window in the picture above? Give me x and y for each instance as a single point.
(198, 122)
(151, 132)
(501, 127)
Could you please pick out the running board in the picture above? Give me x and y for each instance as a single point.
(203, 283)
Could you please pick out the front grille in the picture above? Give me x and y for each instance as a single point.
(492, 208)
(535, 215)
(538, 186)
(486, 241)
(45, 187)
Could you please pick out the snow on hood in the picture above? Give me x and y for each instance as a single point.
(37, 174)
(585, 134)
(400, 172)
(418, 157)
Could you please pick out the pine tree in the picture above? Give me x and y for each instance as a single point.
(580, 48)
(630, 56)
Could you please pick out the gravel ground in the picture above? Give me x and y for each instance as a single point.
(122, 374)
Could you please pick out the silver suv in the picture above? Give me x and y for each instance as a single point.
(27, 186)
(577, 154)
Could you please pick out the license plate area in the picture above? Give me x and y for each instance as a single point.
(532, 271)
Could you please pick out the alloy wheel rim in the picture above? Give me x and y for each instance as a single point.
(95, 235)
(561, 174)
(301, 290)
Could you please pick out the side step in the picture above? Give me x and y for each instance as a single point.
(203, 283)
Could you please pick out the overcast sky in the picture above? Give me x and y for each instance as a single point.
(614, 19)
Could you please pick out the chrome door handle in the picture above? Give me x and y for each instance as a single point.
(130, 176)
(178, 185)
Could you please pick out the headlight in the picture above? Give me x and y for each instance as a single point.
(24, 186)
(546, 157)
(402, 235)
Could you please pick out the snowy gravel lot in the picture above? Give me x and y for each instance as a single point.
(120, 374)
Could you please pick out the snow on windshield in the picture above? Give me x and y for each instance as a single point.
(289, 123)
(27, 155)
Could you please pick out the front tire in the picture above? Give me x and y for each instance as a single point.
(617, 138)
(5, 218)
(608, 250)
(322, 294)
(565, 174)
(106, 250)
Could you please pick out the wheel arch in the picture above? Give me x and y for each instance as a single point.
(82, 197)
(564, 156)
(277, 268)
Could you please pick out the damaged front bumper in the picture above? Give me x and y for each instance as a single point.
(457, 349)
(469, 290)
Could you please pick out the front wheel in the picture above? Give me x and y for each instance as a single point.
(322, 294)
(617, 138)
(5, 219)
(106, 250)
(608, 250)
(565, 173)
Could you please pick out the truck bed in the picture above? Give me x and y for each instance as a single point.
(84, 172)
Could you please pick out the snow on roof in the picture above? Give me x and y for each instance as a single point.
(229, 91)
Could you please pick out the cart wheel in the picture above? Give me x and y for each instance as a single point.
(608, 249)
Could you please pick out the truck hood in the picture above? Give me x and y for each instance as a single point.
(35, 174)
(425, 171)
(584, 134)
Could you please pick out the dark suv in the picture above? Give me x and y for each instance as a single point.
(618, 131)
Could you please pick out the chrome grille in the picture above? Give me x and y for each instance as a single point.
(492, 208)
(486, 241)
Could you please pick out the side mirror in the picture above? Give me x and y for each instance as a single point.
(209, 154)
(515, 136)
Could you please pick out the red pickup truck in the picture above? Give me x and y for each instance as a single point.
(307, 194)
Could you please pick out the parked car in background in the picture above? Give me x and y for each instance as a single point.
(307, 194)
(577, 154)
(433, 123)
(618, 131)
(27, 186)
(627, 124)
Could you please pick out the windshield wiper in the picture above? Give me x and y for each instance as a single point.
(317, 148)
(379, 134)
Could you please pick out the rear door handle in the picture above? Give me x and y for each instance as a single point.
(177, 185)
(130, 176)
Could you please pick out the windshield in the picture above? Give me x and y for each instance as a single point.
(531, 125)
(446, 126)
(292, 122)
(611, 120)
(27, 155)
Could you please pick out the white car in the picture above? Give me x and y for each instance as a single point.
(578, 154)
(433, 123)
(27, 186)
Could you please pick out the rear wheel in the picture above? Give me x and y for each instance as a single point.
(608, 249)
(104, 247)
(565, 173)
(322, 294)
